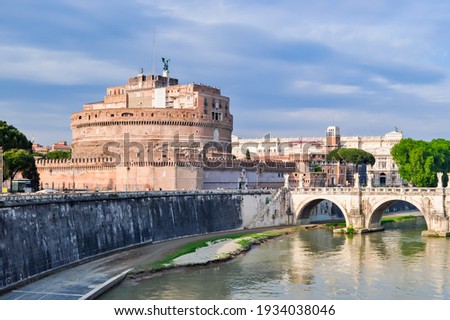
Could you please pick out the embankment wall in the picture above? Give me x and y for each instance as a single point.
(42, 233)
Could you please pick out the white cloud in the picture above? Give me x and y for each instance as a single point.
(56, 67)
(312, 122)
(311, 87)
(433, 93)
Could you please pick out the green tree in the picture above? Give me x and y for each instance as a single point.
(11, 138)
(351, 155)
(314, 167)
(17, 155)
(419, 161)
(247, 155)
(57, 154)
(20, 160)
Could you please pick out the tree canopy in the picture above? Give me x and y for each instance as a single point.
(17, 155)
(12, 138)
(57, 154)
(19, 160)
(419, 160)
(247, 155)
(351, 155)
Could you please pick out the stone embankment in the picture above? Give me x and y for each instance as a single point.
(43, 234)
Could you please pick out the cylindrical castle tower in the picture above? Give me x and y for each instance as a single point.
(146, 120)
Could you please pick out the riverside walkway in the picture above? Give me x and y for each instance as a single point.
(91, 279)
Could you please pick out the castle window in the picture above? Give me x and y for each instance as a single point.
(127, 114)
(205, 105)
(216, 116)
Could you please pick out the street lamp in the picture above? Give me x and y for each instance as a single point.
(73, 175)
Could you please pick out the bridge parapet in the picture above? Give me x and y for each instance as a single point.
(325, 190)
(397, 190)
(57, 197)
(373, 190)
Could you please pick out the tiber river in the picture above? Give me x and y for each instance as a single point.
(315, 264)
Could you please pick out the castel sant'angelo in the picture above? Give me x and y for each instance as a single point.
(150, 134)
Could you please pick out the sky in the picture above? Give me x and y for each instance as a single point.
(289, 67)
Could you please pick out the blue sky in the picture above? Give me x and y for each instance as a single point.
(289, 67)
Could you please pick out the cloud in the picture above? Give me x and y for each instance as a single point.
(431, 92)
(312, 122)
(56, 67)
(310, 87)
(371, 63)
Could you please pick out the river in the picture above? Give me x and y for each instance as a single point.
(397, 263)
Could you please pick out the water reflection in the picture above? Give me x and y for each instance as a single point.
(315, 264)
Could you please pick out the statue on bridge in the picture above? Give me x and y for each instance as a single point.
(286, 180)
(439, 176)
(356, 178)
(243, 181)
(301, 181)
(370, 180)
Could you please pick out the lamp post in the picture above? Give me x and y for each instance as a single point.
(73, 175)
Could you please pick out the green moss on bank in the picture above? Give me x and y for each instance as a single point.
(397, 219)
(383, 220)
(188, 248)
(247, 240)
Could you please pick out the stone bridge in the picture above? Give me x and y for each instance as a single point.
(364, 207)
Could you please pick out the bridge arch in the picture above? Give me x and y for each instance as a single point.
(303, 210)
(374, 217)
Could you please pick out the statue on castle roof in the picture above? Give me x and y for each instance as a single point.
(165, 64)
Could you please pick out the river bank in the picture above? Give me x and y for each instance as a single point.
(212, 250)
(312, 264)
(223, 248)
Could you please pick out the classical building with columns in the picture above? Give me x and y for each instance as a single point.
(384, 172)
(309, 155)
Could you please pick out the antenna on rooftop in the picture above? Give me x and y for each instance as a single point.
(153, 54)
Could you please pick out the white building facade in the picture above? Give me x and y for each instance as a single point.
(383, 173)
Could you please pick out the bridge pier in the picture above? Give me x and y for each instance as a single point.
(438, 226)
(356, 221)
